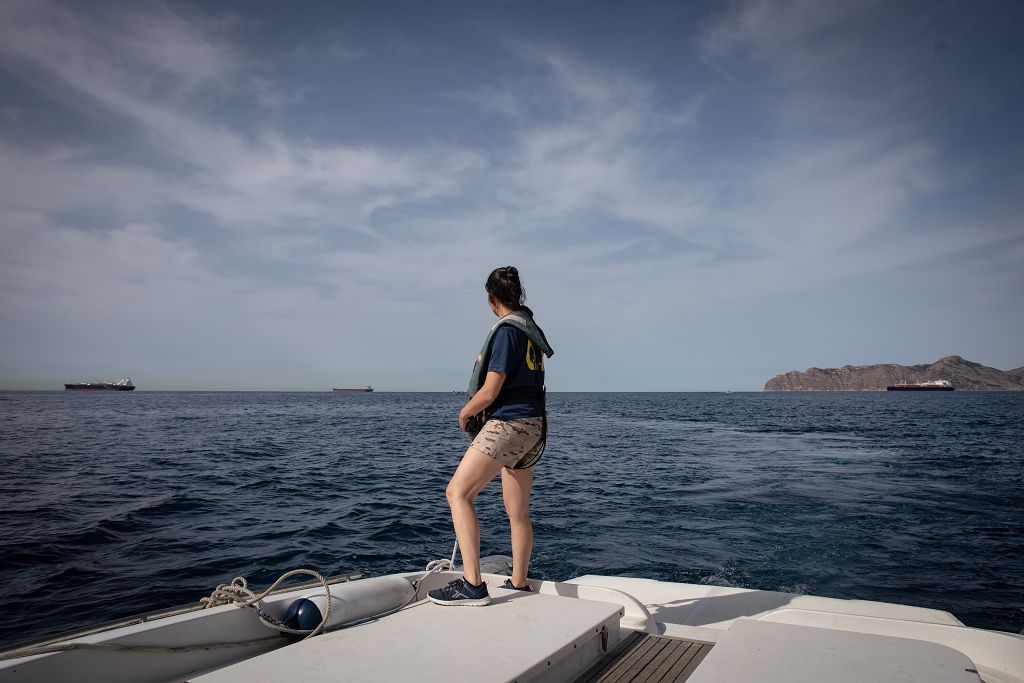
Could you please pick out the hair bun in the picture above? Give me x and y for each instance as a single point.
(503, 285)
(512, 275)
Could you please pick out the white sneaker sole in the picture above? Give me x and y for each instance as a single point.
(480, 602)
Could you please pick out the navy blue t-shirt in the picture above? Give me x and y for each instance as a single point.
(512, 352)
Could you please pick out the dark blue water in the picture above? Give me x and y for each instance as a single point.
(113, 504)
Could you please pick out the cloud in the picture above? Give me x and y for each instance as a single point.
(822, 197)
(93, 265)
(59, 179)
(609, 149)
(496, 100)
(794, 38)
(151, 50)
(243, 180)
(335, 49)
(591, 140)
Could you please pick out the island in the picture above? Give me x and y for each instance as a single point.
(963, 374)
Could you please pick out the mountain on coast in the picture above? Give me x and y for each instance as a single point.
(965, 376)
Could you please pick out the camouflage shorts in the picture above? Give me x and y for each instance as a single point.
(510, 442)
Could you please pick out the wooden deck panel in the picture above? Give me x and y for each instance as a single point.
(643, 658)
(679, 651)
(637, 662)
(682, 669)
(614, 658)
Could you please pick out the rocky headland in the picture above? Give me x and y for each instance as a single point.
(965, 376)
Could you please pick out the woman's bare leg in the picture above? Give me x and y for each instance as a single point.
(474, 473)
(515, 489)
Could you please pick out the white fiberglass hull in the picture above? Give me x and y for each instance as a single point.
(556, 633)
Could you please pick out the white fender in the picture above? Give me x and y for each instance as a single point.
(362, 599)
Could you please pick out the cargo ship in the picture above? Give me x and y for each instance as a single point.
(935, 385)
(359, 390)
(123, 384)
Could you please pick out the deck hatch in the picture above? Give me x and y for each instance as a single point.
(643, 658)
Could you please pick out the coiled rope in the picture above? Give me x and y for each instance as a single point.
(238, 593)
(438, 566)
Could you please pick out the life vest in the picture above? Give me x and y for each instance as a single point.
(521, 320)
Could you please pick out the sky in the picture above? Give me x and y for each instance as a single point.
(698, 195)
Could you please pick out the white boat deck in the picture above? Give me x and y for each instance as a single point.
(593, 628)
(518, 637)
(753, 651)
(715, 608)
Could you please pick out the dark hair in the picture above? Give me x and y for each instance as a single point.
(504, 287)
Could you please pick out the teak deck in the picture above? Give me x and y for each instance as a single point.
(643, 658)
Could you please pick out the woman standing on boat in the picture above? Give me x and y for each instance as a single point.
(507, 395)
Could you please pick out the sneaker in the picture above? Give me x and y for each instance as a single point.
(459, 592)
(508, 584)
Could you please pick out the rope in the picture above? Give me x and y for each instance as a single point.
(235, 593)
(440, 565)
(238, 593)
(433, 566)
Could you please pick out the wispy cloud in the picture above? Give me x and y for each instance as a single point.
(587, 140)
(791, 38)
(244, 180)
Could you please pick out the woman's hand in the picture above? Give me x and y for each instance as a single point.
(493, 382)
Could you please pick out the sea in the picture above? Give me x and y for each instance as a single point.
(119, 503)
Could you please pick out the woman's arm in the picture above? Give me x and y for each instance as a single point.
(482, 398)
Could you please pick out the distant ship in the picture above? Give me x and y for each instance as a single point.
(124, 384)
(935, 385)
(363, 389)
